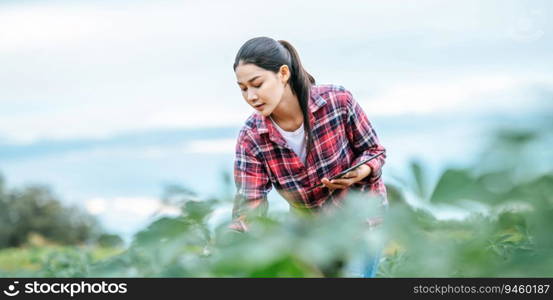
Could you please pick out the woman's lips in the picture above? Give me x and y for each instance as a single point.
(259, 107)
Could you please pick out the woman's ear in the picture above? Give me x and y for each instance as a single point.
(284, 73)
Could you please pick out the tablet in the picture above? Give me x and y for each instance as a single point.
(344, 172)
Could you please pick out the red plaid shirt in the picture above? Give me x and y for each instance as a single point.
(342, 137)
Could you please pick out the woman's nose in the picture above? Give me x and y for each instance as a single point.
(251, 96)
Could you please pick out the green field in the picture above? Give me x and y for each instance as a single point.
(511, 239)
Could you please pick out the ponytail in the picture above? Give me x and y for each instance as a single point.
(300, 83)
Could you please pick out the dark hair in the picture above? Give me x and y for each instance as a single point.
(270, 55)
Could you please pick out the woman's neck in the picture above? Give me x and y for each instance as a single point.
(288, 113)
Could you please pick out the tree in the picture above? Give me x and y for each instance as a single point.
(36, 210)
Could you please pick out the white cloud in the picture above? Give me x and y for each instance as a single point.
(94, 70)
(211, 146)
(438, 94)
(61, 23)
(93, 120)
(135, 206)
(470, 94)
(39, 26)
(130, 207)
(126, 215)
(96, 206)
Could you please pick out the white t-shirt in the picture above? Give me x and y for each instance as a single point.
(295, 139)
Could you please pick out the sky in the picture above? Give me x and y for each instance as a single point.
(73, 69)
(98, 85)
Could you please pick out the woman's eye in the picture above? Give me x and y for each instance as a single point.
(255, 86)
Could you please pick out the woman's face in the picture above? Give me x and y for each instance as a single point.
(262, 89)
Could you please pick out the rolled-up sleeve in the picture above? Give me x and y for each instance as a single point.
(365, 144)
(252, 184)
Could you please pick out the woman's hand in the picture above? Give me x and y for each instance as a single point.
(348, 179)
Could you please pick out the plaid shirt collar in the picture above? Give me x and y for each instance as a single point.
(264, 124)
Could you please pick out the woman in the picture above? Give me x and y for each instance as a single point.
(301, 135)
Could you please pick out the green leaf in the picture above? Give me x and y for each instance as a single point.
(418, 179)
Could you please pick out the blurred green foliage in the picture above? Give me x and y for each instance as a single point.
(51, 260)
(33, 214)
(508, 236)
(513, 181)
